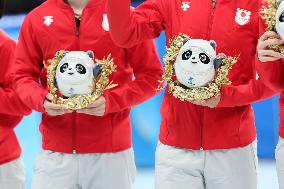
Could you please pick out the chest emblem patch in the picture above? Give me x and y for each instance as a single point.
(242, 16)
(185, 5)
(105, 23)
(48, 20)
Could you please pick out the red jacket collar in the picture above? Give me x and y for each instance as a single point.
(92, 3)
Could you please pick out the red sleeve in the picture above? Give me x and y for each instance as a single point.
(28, 63)
(129, 27)
(147, 71)
(254, 90)
(272, 74)
(10, 103)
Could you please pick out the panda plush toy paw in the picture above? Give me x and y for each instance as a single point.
(196, 63)
(76, 72)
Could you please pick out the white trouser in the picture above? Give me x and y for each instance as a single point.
(12, 175)
(213, 169)
(55, 170)
(279, 155)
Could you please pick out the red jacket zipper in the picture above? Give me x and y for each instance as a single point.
(214, 2)
(74, 124)
(202, 129)
(208, 37)
(77, 34)
(74, 151)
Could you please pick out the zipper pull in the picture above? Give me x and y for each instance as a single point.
(78, 23)
(214, 4)
(77, 32)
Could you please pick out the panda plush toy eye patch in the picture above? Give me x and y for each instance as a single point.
(196, 63)
(76, 73)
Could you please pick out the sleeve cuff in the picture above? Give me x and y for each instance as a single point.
(107, 95)
(223, 102)
(41, 103)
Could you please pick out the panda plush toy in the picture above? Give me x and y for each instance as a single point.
(196, 63)
(76, 72)
(280, 19)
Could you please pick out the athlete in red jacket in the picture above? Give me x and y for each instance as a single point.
(203, 147)
(11, 112)
(100, 136)
(271, 69)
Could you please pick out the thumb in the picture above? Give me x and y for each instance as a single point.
(98, 102)
(49, 97)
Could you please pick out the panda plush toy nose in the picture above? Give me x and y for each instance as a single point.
(194, 60)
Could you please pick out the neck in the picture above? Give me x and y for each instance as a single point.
(78, 5)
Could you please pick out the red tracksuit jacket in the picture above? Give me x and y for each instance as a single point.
(41, 36)
(234, 25)
(273, 75)
(11, 108)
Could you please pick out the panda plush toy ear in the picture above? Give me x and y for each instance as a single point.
(218, 61)
(97, 70)
(65, 52)
(186, 40)
(213, 44)
(91, 54)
